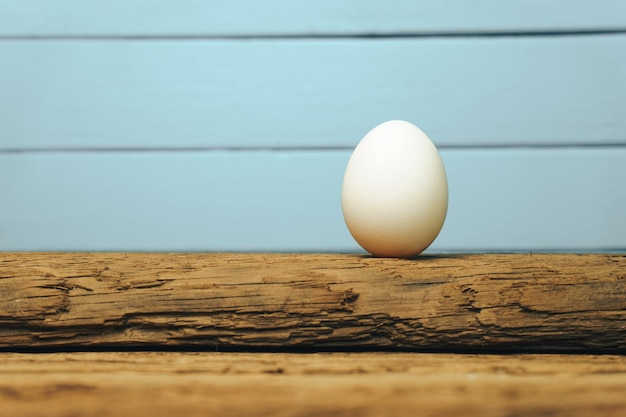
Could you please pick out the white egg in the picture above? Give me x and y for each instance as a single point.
(395, 191)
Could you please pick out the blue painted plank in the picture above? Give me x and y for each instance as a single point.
(303, 17)
(532, 199)
(311, 93)
(529, 199)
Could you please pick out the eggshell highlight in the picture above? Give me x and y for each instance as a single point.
(395, 191)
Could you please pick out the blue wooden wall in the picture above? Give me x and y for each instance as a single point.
(201, 125)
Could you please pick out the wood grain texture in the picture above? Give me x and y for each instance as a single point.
(500, 199)
(291, 18)
(517, 303)
(337, 384)
(311, 93)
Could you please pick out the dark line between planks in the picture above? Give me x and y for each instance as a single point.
(316, 36)
(209, 149)
(512, 350)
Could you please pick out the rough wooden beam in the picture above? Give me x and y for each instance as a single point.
(517, 303)
(188, 384)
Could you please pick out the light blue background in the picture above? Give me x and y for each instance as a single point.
(221, 126)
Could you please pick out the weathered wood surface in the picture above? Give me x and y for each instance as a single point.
(516, 303)
(333, 384)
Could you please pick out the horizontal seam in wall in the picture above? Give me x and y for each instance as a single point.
(209, 149)
(311, 36)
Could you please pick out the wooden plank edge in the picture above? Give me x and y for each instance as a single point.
(336, 384)
(313, 302)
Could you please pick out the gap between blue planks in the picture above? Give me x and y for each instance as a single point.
(147, 18)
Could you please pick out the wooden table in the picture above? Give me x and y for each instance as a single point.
(312, 335)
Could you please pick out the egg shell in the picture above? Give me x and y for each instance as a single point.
(395, 191)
